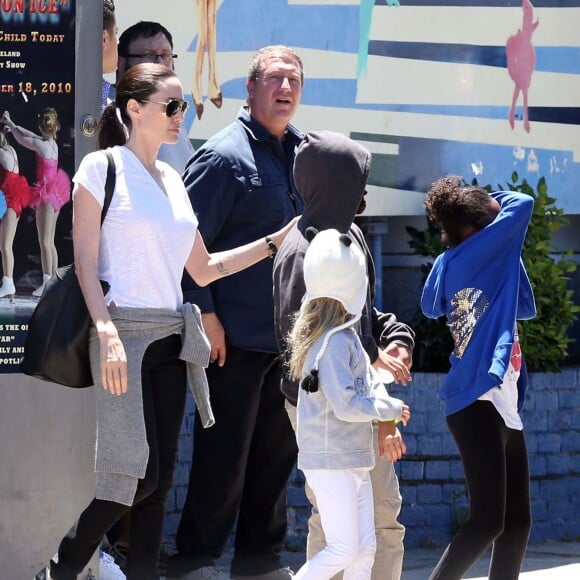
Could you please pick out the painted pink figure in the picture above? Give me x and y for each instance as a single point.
(521, 61)
(52, 189)
(53, 184)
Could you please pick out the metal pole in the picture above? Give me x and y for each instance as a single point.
(375, 232)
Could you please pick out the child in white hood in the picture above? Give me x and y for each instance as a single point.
(340, 396)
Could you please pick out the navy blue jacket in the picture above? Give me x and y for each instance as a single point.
(241, 188)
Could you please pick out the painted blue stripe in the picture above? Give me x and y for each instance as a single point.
(341, 93)
(458, 53)
(564, 115)
(251, 24)
(558, 59)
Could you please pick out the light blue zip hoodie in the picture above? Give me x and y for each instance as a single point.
(481, 286)
(334, 427)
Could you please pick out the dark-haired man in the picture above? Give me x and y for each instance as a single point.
(241, 187)
(148, 41)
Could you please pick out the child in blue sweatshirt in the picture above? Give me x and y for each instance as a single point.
(481, 286)
(339, 398)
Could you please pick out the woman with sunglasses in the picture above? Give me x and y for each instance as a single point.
(142, 331)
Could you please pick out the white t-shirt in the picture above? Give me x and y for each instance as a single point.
(505, 399)
(147, 235)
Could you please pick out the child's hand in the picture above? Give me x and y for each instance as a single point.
(406, 415)
(391, 444)
(395, 360)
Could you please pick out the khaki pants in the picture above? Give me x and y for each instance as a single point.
(387, 506)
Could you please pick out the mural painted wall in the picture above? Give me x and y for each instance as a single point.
(480, 88)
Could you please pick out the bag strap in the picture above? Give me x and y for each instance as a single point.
(109, 184)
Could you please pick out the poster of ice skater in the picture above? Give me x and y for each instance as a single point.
(37, 86)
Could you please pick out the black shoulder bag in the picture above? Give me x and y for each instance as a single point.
(57, 343)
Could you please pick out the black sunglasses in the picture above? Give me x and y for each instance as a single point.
(172, 106)
(165, 57)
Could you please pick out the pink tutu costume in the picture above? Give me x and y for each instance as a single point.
(53, 185)
(16, 190)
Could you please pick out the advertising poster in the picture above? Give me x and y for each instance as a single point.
(37, 87)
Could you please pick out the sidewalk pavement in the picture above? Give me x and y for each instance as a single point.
(558, 561)
(550, 561)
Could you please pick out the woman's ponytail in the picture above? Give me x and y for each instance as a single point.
(139, 83)
(111, 131)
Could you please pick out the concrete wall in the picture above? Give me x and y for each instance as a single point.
(47, 439)
(431, 476)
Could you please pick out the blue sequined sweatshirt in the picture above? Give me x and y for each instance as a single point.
(481, 286)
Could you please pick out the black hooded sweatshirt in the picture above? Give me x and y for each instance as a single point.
(330, 171)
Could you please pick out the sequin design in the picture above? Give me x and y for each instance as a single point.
(469, 305)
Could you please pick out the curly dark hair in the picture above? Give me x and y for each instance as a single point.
(457, 208)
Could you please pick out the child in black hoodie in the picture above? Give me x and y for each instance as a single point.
(330, 171)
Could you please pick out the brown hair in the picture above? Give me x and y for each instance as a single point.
(48, 122)
(257, 64)
(139, 83)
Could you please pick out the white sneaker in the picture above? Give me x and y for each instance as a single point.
(278, 574)
(108, 569)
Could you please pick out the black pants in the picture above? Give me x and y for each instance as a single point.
(240, 469)
(164, 382)
(495, 462)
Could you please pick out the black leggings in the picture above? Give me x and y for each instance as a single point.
(164, 381)
(495, 462)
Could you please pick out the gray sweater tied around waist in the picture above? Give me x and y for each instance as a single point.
(122, 451)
